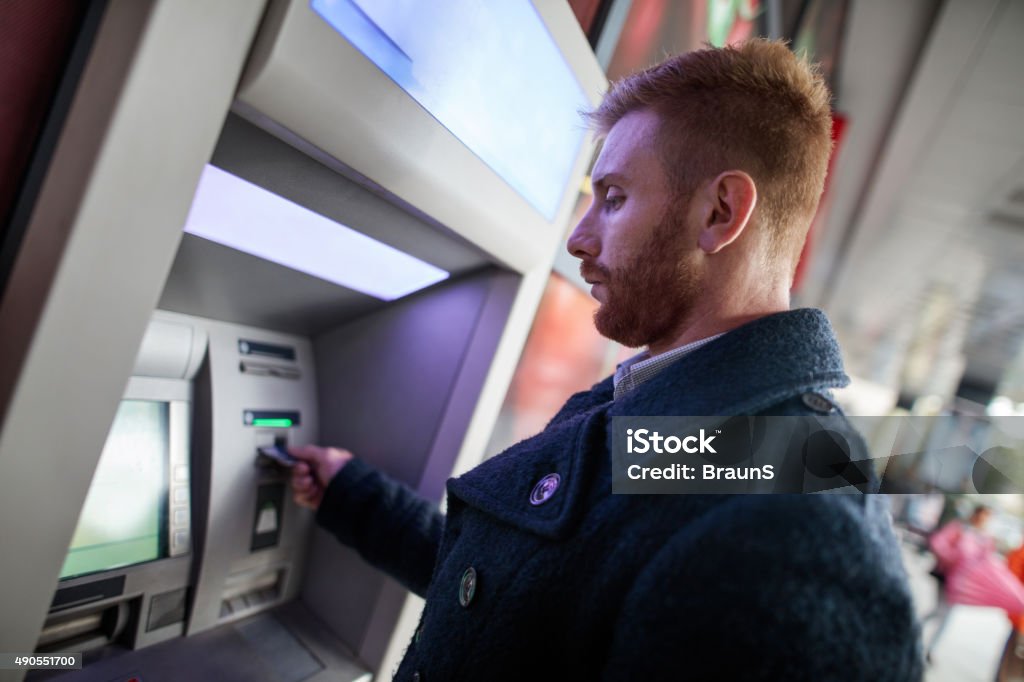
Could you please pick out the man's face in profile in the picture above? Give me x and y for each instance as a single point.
(634, 242)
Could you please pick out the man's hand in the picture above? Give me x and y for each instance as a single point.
(314, 471)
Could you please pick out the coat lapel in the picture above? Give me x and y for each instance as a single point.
(502, 485)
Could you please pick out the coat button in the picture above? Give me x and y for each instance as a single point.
(818, 402)
(544, 489)
(416, 677)
(467, 587)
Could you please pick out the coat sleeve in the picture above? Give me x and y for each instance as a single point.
(390, 526)
(772, 588)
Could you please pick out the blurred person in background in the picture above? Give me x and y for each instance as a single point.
(955, 545)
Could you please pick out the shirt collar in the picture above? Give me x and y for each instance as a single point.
(642, 367)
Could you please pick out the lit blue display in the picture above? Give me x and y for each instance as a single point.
(489, 72)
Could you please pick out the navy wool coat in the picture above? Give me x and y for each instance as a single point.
(594, 586)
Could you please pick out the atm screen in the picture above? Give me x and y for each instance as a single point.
(489, 72)
(122, 521)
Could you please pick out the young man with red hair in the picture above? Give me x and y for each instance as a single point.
(710, 173)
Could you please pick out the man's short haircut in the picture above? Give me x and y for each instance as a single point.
(754, 107)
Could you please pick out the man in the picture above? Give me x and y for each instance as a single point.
(955, 545)
(710, 173)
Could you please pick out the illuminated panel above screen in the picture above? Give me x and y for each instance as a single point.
(120, 523)
(238, 214)
(489, 72)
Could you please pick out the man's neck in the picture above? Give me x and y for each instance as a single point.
(709, 323)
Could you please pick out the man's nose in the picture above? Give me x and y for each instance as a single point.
(583, 242)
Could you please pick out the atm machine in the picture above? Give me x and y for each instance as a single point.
(323, 221)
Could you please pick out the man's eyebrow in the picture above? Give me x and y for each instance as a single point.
(611, 178)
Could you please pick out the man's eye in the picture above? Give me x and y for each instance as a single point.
(614, 202)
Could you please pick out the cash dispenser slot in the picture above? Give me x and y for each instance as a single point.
(250, 590)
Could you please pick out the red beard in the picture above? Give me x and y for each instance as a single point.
(649, 298)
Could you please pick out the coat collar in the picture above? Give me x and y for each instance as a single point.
(745, 371)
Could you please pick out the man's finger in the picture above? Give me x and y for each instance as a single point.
(307, 453)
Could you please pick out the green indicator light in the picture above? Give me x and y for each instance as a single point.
(286, 423)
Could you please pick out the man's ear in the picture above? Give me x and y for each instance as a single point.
(729, 201)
